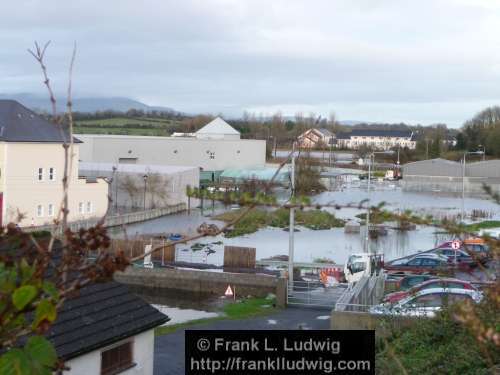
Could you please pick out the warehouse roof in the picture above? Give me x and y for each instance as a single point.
(218, 126)
(260, 174)
(100, 315)
(19, 124)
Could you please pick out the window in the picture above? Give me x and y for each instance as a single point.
(429, 300)
(457, 285)
(452, 298)
(52, 174)
(39, 210)
(415, 262)
(117, 359)
(211, 155)
(50, 211)
(89, 207)
(81, 208)
(430, 262)
(40, 174)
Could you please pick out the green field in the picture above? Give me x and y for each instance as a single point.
(127, 126)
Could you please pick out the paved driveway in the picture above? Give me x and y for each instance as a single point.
(169, 349)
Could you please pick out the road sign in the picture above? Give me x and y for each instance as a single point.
(229, 291)
(455, 245)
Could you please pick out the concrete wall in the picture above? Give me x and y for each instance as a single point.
(203, 282)
(143, 352)
(473, 185)
(208, 154)
(117, 220)
(383, 326)
(23, 192)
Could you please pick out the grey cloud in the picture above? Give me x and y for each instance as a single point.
(388, 60)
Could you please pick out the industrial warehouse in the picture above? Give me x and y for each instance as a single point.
(440, 175)
(215, 147)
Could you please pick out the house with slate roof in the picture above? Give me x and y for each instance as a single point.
(31, 171)
(106, 330)
(376, 139)
(316, 138)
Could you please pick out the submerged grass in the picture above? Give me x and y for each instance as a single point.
(258, 218)
(484, 225)
(241, 309)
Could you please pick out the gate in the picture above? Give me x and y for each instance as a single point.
(314, 293)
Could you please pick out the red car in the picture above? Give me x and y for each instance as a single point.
(429, 284)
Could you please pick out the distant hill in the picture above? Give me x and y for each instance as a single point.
(41, 103)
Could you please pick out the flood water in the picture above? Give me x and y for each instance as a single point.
(333, 244)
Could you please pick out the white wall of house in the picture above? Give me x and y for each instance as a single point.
(143, 352)
(209, 154)
(380, 143)
(31, 183)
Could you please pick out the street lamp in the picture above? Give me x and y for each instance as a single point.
(462, 214)
(115, 180)
(145, 177)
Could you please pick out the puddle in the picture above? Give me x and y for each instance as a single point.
(178, 315)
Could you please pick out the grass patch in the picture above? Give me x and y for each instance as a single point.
(241, 309)
(258, 218)
(483, 225)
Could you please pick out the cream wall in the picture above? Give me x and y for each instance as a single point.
(143, 349)
(177, 151)
(23, 192)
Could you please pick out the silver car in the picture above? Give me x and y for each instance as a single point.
(427, 302)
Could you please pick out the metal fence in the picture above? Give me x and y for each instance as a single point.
(368, 291)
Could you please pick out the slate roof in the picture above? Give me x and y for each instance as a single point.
(217, 126)
(100, 315)
(19, 124)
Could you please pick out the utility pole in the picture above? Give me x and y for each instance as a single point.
(462, 214)
(367, 240)
(291, 226)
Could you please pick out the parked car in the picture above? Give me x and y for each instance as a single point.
(421, 263)
(462, 258)
(447, 283)
(476, 246)
(406, 282)
(427, 302)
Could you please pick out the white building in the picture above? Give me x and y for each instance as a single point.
(138, 186)
(376, 139)
(31, 171)
(215, 147)
(316, 138)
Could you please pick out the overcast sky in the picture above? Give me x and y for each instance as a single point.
(424, 61)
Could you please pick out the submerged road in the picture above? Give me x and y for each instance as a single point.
(169, 349)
